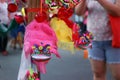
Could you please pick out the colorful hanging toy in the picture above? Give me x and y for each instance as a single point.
(31, 75)
(82, 39)
(41, 49)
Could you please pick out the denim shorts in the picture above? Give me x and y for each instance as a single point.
(103, 51)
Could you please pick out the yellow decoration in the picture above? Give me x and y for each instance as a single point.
(48, 47)
(63, 33)
(33, 47)
(67, 46)
(23, 12)
(40, 48)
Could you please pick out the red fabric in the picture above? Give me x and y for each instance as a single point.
(40, 17)
(115, 25)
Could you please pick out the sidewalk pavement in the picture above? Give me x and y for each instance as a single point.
(69, 67)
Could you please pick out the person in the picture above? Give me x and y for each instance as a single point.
(101, 54)
(4, 19)
(16, 33)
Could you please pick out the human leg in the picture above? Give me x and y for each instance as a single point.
(19, 39)
(98, 69)
(113, 60)
(115, 69)
(4, 45)
(4, 41)
(14, 42)
(0, 44)
(97, 60)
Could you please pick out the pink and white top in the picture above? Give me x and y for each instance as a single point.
(4, 13)
(98, 21)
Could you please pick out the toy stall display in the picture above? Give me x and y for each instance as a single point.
(49, 29)
(62, 25)
(70, 34)
(40, 42)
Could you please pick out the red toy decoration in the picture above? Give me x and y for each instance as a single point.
(19, 19)
(40, 17)
(65, 14)
(12, 7)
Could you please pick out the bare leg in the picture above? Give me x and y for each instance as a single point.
(99, 69)
(115, 68)
(19, 40)
(14, 43)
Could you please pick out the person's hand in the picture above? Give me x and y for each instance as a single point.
(82, 1)
(81, 7)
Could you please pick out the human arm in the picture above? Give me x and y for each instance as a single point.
(113, 9)
(81, 7)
